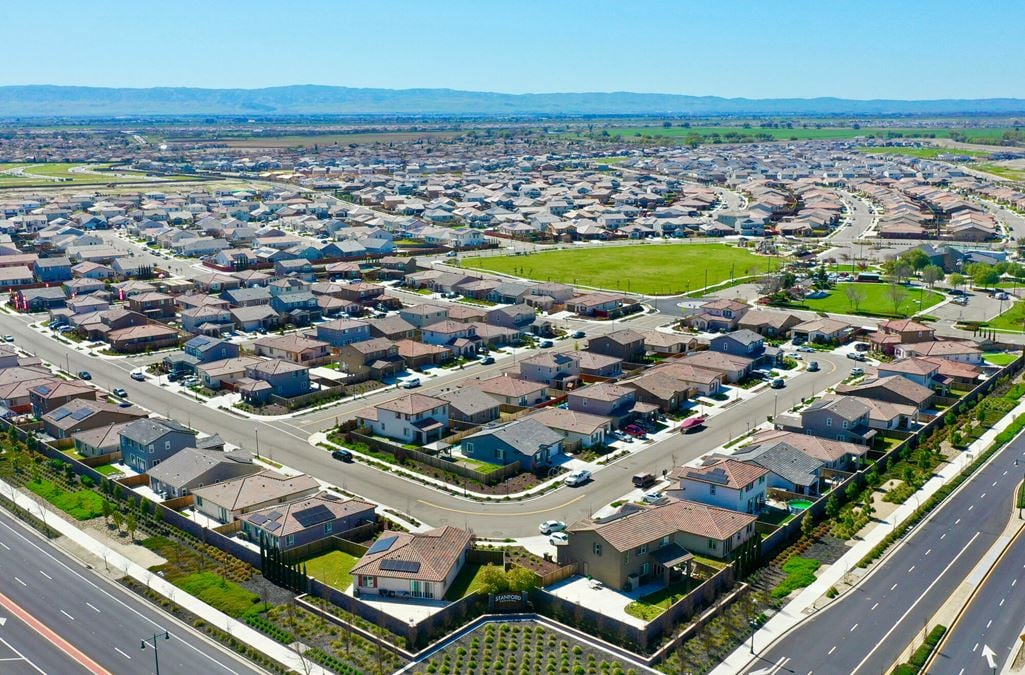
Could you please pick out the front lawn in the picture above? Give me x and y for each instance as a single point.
(467, 582)
(332, 568)
(651, 605)
(876, 300)
(662, 269)
(79, 504)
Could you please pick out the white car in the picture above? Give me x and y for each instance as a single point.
(558, 539)
(653, 498)
(578, 477)
(551, 527)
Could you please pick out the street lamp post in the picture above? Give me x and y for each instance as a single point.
(153, 643)
(754, 629)
(257, 441)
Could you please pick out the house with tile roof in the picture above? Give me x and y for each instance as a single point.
(645, 544)
(412, 565)
(413, 418)
(231, 499)
(726, 483)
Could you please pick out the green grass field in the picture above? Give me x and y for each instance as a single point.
(60, 174)
(999, 358)
(332, 568)
(877, 301)
(922, 153)
(1011, 320)
(1000, 170)
(227, 596)
(467, 581)
(79, 504)
(798, 133)
(662, 269)
(323, 140)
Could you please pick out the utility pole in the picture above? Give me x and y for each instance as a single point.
(257, 441)
(153, 642)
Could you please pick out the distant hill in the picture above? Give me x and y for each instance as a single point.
(49, 100)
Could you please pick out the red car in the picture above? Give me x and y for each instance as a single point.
(692, 423)
(635, 431)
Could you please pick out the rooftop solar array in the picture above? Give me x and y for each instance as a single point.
(60, 413)
(411, 566)
(381, 545)
(314, 515)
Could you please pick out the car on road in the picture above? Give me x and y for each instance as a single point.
(551, 526)
(119, 392)
(140, 376)
(451, 254)
(124, 404)
(8, 338)
(558, 539)
(578, 477)
(412, 383)
(579, 334)
(777, 383)
(487, 360)
(342, 455)
(546, 344)
(806, 350)
(996, 296)
(813, 366)
(856, 356)
(961, 300)
(85, 375)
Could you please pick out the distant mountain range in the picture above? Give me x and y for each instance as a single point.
(51, 101)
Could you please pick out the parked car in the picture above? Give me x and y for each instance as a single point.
(8, 338)
(813, 366)
(551, 526)
(342, 455)
(961, 300)
(998, 296)
(861, 346)
(124, 404)
(807, 350)
(411, 384)
(578, 477)
(798, 340)
(777, 383)
(487, 360)
(119, 392)
(558, 539)
(856, 356)
(85, 375)
(643, 480)
(139, 376)
(653, 498)
(857, 372)
(635, 431)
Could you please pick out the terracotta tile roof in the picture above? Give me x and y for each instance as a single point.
(437, 552)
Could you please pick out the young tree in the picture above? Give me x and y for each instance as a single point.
(521, 579)
(931, 274)
(493, 579)
(131, 524)
(119, 520)
(108, 510)
(855, 296)
(897, 294)
(956, 280)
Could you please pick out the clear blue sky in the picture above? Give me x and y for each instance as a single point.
(909, 49)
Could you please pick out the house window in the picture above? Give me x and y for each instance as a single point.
(468, 447)
(665, 540)
(845, 424)
(711, 489)
(829, 421)
(328, 527)
(167, 445)
(291, 540)
(642, 550)
(597, 549)
(645, 569)
(712, 544)
(761, 479)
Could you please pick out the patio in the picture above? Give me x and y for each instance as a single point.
(610, 602)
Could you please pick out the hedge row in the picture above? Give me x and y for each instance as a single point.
(922, 654)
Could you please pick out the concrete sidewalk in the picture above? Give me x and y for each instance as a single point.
(214, 617)
(808, 601)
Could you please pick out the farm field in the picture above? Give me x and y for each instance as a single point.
(60, 174)
(800, 133)
(359, 138)
(660, 269)
(876, 302)
(1000, 170)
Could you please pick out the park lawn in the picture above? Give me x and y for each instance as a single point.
(467, 582)
(923, 153)
(656, 269)
(999, 358)
(332, 568)
(41, 173)
(227, 596)
(650, 606)
(1011, 320)
(876, 303)
(79, 504)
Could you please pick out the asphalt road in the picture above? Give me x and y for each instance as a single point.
(993, 620)
(867, 630)
(43, 591)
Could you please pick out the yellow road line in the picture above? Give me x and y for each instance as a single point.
(486, 513)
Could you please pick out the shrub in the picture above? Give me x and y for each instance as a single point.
(800, 573)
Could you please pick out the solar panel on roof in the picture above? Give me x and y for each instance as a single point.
(60, 414)
(258, 519)
(274, 515)
(411, 566)
(273, 526)
(381, 545)
(313, 515)
(81, 414)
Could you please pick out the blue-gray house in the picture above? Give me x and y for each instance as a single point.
(525, 440)
(51, 270)
(273, 377)
(207, 349)
(148, 442)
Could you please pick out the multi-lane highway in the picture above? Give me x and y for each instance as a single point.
(63, 619)
(864, 632)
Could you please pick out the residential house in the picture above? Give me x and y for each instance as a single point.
(789, 468)
(47, 396)
(844, 418)
(459, 337)
(823, 331)
(341, 332)
(413, 418)
(625, 344)
(558, 370)
(295, 348)
(82, 415)
(231, 499)
(412, 565)
(373, 359)
(196, 467)
(514, 391)
(892, 389)
(726, 483)
(306, 520)
(524, 440)
(148, 442)
(579, 429)
(717, 315)
(135, 339)
(470, 405)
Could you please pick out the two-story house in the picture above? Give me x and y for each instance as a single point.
(718, 315)
(558, 370)
(148, 442)
(341, 332)
(373, 359)
(747, 344)
(459, 337)
(296, 348)
(413, 418)
(843, 418)
(895, 332)
(726, 483)
(625, 344)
